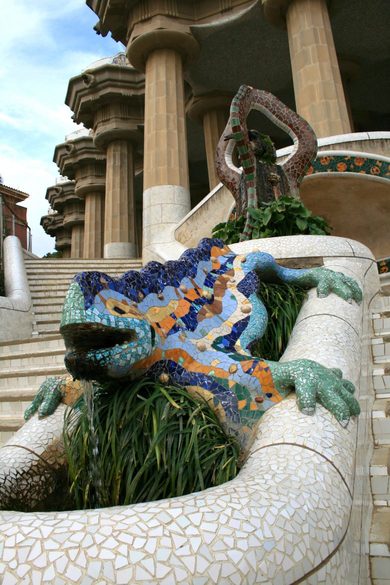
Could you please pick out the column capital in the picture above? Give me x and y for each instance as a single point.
(109, 98)
(275, 11)
(161, 32)
(79, 159)
(53, 225)
(58, 195)
(64, 200)
(199, 105)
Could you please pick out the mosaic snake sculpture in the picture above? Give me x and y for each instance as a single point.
(261, 179)
(191, 322)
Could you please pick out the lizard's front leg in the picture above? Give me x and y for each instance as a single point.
(315, 383)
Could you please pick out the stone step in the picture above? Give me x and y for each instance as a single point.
(16, 408)
(10, 423)
(42, 287)
(381, 381)
(71, 262)
(380, 546)
(46, 317)
(29, 377)
(47, 331)
(52, 272)
(54, 295)
(54, 275)
(33, 358)
(381, 324)
(380, 347)
(33, 344)
(12, 395)
(381, 421)
(42, 308)
(381, 303)
(380, 475)
(45, 302)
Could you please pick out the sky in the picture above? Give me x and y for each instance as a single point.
(42, 45)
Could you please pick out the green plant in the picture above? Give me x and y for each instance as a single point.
(150, 442)
(283, 303)
(55, 254)
(285, 216)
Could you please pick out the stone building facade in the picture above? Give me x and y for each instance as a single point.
(13, 216)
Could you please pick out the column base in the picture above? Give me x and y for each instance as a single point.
(164, 207)
(119, 250)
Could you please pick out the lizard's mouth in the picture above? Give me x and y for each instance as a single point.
(93, 336)
(90, 348)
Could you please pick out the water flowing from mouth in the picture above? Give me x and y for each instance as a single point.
(96, 492)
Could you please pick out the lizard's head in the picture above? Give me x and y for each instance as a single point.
(110, 326)
(104, 332)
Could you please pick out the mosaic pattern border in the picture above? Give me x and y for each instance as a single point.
(383, 265)
(350, 164)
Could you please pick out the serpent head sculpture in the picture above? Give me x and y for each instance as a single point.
(261, 179)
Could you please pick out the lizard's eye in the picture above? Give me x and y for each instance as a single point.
(119, 308)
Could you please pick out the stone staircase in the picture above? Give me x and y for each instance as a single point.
(24, 364)
(380, 463)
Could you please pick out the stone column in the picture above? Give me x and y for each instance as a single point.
(94, 224)
(77, 245)
(319, 93)
(212, 110)
(119, 230)
(64, 200)
(162, 51)
(53, 224)
(108, 98)
(80, 160)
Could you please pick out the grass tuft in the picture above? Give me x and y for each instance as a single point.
(153, 442)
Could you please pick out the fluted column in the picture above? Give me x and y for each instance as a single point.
(212, 110)
(80, 160)
(161, 48)
(318, 88)
(214, 123)
(94, 225)
(108, 99)
(77, 241)
(119, 207)
(166, 197)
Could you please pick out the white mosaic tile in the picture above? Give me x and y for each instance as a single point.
(278, 520)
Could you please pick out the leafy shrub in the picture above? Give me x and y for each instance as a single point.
(285, 216)
(55, 254)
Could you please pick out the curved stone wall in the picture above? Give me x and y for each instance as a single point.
(294, 512)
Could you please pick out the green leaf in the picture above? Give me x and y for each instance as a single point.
(301, 223)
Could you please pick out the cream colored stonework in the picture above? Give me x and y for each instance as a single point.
(119, 207)
(94, 220)
(318, 88)
(165, 158)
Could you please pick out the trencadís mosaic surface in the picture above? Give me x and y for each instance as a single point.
(293, 514)
(192, 322)
(349, 163)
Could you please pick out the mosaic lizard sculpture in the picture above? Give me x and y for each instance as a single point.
(261, 179)
(191, 322)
